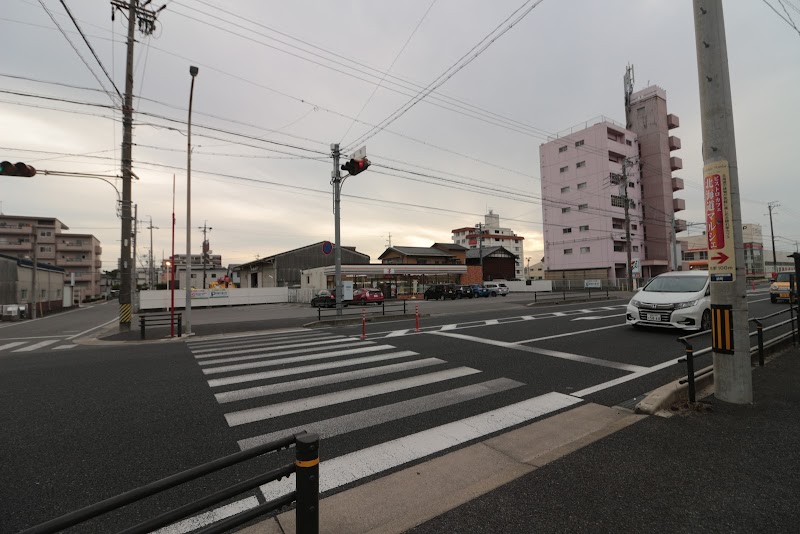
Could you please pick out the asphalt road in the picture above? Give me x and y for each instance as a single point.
(87, 423)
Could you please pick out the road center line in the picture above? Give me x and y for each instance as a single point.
(93, 328)
(545, 352)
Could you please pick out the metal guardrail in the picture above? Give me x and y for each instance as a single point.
(580, 293)
(306, 494)
(160, 319)
(759, 333)
(354, 309)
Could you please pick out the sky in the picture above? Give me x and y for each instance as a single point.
(279, 82)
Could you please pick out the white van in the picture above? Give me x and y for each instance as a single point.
(680, 299)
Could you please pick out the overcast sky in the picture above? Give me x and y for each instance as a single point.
(282, 98)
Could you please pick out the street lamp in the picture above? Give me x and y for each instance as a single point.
(188, 328)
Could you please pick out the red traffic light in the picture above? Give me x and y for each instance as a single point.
(20, 169)
(355, 166)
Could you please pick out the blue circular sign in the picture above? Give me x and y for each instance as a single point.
(327, 247)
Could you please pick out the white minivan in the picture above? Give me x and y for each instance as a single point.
(679, 299)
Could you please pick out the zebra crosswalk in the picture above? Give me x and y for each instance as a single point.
(30, 345)
(274, 384)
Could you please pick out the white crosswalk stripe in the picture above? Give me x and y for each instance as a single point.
(34, 344)
(274, 385)
(38, 345)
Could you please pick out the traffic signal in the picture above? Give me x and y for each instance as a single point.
(355, 166)
(20, 169)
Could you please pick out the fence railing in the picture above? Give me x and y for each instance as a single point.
(564, 295)
(355, 309)
(691, 377)
(306, 494)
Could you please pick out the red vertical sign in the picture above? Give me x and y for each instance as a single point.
(715, 216)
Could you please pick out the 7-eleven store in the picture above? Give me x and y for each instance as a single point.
(396, 281)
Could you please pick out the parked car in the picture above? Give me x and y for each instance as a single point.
(327, 299)
(680, 299)
(440, 292)
(463, 292)
(496, 289)
(367, 295)
(780, 289)
(480, 291)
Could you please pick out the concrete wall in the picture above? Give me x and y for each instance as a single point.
(207, 298)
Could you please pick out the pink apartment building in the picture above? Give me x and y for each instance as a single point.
(584, 194)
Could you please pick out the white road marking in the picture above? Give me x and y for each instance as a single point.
(265, 375)
(397, 333)
(569, 334)
(11, 345)
(276, 347)
(39, 345)
(491, 322)
(623, 379)
(759, 300)
(267, 355)
(93, 328)
(310, 403)
(212, 516)
(378, 458)
(597, 317)
(336, 378)
(224, 338)
(247, 343)
(390, 412)
(546, 352)
(279, 361)
(64, 347)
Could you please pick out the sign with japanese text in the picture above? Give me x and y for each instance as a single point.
(719, 222)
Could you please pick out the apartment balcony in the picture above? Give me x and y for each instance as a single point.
(675, 163)
(673, 121)
(81, 276)
(15, 246)
(71, 263)
(674, 142)
(16, 230)
(678, 204)
(680, 225)
(677, 184)
(75, 246)
(98, 250)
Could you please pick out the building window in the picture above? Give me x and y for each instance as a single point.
(582, 185)
(562, 149)
(496, 239)
(636, 248)
(581, 164)
(213, 275)
(563, 169)
(634, 227)
(24, 294)
(565, 190)
(703, 255)
(619, 247)
(497, 231)
(586, 250)
(628, 142)
(567, 251)
(583, 207)
(584, 228)
(566, 230)
(688, 256)
(617, 201)
(194, 275)
(565, 210)
(578, 143)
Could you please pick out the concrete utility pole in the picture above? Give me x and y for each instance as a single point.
(771, 206)
(134, 278)
(625, 165)
(35, 273)
(146, 19)
(151, 279)
(336, 180)
(205, 228)
(480, 247)
(733, 378)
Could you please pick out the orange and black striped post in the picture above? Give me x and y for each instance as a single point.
(307, 477)
(722, 328)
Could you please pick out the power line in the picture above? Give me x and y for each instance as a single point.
(787, 21)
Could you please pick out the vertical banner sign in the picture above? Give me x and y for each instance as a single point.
(719, 222)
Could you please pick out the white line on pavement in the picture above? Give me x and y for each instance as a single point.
(212, 516)
(546, 352)
(64, 347)
(276, 347)
(623, 379)
(569, 333)
(336, 378)
(391, 412)
(378, 458)
(264, 342)
(39, 345)
(268, 355)
(93, 328)
(11, 345)
(310, 403)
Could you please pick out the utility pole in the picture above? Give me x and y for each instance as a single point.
(733, 378)
(772, 205)
(628, 248)
(480, 247)
(205, 228)
(674, 245)
(134, 278)
(336, 180)
(146, 19)
(35, 274)
(151, 279)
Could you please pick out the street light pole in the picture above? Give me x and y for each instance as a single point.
(337, 251)
(188, 322)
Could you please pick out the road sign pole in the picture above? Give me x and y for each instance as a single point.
(732, 375)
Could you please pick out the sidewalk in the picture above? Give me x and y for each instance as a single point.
(725, 469)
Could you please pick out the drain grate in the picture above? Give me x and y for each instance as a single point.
(631, 404)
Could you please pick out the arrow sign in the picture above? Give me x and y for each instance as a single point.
(720, 258)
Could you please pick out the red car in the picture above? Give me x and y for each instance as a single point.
(365, 295)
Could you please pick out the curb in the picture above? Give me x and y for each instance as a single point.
(662, 398)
